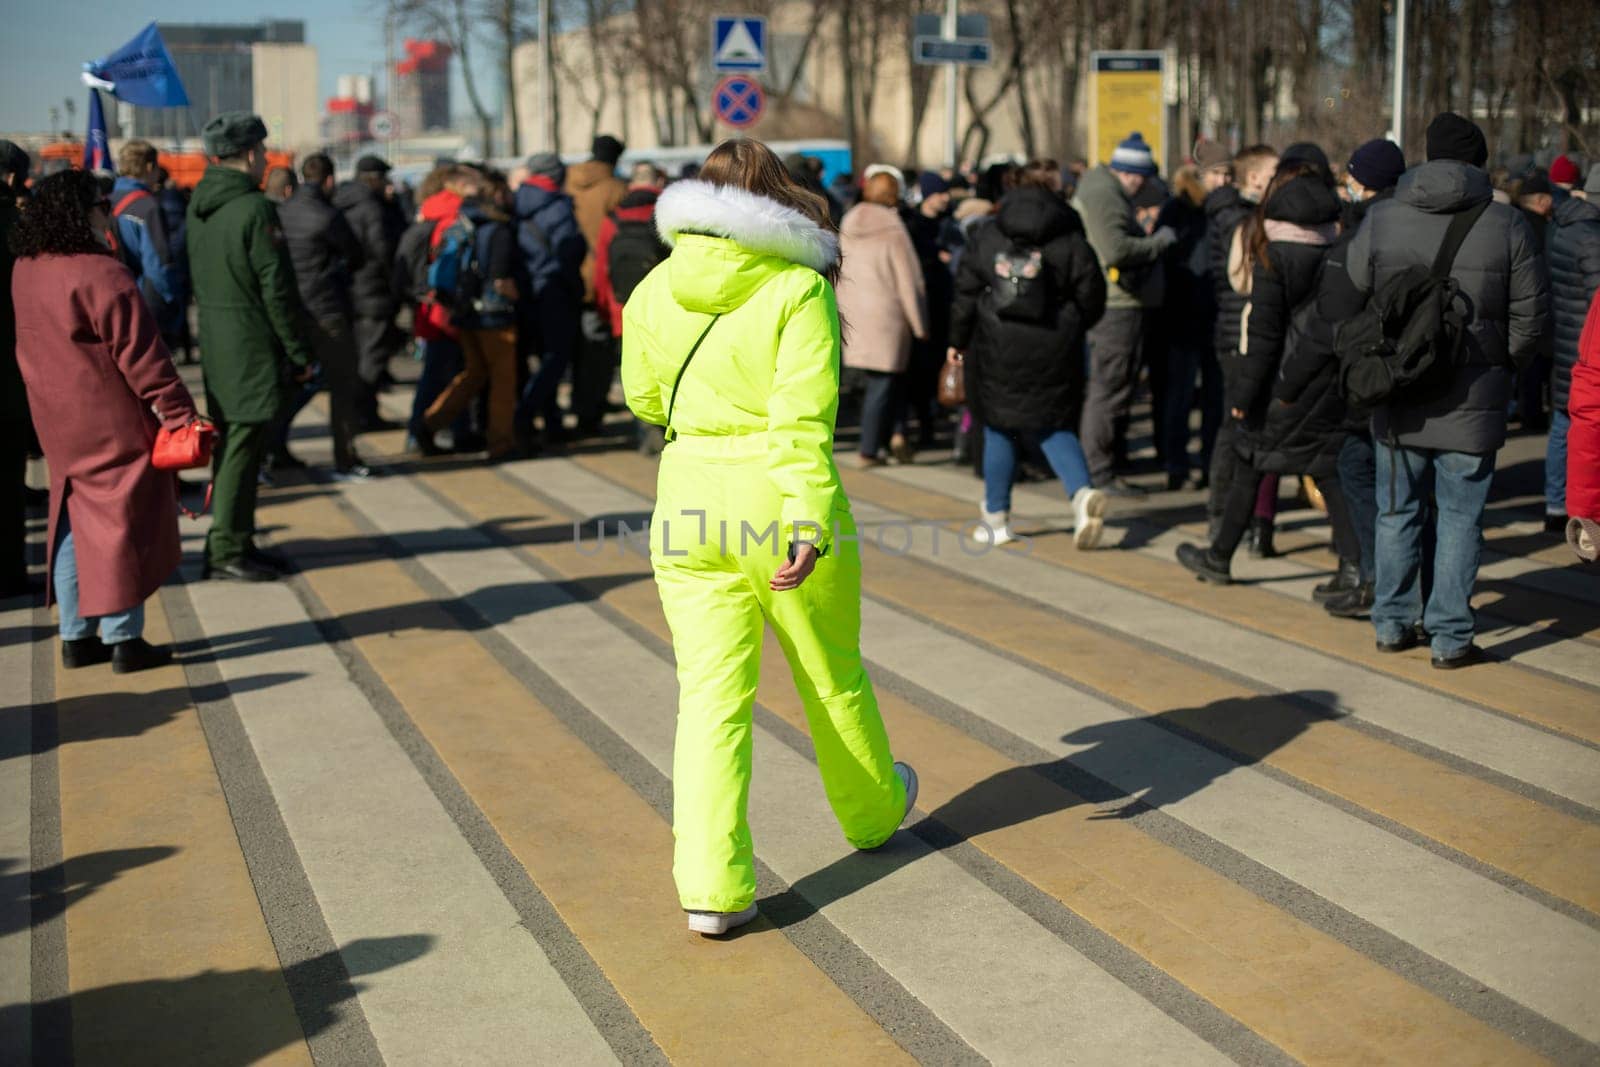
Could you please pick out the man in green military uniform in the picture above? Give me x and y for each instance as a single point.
(250, 326)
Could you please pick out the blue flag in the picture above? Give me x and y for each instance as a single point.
(96, 149)
(140, 72)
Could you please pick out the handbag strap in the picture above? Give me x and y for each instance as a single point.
(1460, 224)
(670, 433)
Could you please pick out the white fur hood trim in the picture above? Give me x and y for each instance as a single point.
(754, 222)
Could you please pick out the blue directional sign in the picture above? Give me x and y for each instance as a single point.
(739, 100)
(739, 43)
(930, 50)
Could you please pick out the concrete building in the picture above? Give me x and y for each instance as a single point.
(266, 68)
(422, 88)
(350, 110)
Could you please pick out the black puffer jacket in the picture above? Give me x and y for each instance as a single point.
(1574, 277)
(1297, 217)
(324, 250)
(1505, 291)
(1307, 420)
(1191, 298)
(1020, 375)
(377, 224)
(1225, 210)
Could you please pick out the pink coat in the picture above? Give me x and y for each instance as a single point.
(882, 300)
(94, 365)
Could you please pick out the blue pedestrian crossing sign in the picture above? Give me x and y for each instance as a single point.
(739, 43)
(739, 100)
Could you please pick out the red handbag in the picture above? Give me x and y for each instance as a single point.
(185, 448)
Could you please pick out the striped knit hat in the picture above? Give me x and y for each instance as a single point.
(1133, 156)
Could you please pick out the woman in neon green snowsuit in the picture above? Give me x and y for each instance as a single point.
(733, 345)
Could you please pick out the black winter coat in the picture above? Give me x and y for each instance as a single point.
(1308, 419)
(1574, 277)
(1022, 375)
(324, 250)
(928, 237)
(1225, 210)
(377, 224)
(13, 394)
(1191, 298)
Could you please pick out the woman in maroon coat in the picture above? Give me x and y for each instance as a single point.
(100, 383)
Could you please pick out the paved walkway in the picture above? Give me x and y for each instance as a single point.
(411, 805)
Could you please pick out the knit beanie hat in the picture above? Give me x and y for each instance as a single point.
(1377, 164)
(1209, 154)
(1306, 152)
(1563, 171)
(931, 184)
(1133, 156)
(607, 149)
(1452, 137)
(549, 165)
(884, 168)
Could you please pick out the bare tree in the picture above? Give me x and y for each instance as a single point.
(452, 21)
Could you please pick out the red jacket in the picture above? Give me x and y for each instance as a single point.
(1583, 405)
(433, 321)
(91, 356)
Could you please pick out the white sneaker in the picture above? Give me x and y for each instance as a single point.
(909, 777)
(1089, 505)
(994, 529)
(717, 923)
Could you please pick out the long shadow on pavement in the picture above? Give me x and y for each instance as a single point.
(1136, 752)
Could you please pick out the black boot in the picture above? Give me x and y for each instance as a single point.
(1261, 531)
(1356, 604)
(1345, 581)
(83, 652)
(1205, 564)
(138, 654)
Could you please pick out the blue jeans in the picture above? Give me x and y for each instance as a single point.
(1061, 450)
(1555, 464)
(441, 362)
(1358, 475)
(879, 410)
(114, 629)
(1460, 482)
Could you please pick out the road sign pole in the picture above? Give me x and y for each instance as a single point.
(1400, 74)
(951, 15)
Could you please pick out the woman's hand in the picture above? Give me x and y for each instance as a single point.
(791, 574)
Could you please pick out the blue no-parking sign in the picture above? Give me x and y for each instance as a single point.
(739, 43)
(739, 100)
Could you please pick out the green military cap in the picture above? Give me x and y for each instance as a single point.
(233, 133)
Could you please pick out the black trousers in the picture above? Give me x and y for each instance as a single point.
(333, 341)
(594, 369)
(15, 435)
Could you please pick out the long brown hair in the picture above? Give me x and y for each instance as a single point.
(755, 168)
(1256, 243)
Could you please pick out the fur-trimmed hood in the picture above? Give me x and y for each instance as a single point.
(755, 223)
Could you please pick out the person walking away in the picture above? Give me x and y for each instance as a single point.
(326, 253)
(732, 344)
(628, 249)
(1191, 306)
(1574, 278)
(141, 227)
(596, 192)
(367, 204)
(16, 424)
(101, 383)
(1297, 222)
(251, 332)
(438, 341)
(175, 329)
(553, 250)
(1127, 256)
(933, 234)
(1452, 431)
(1583, 441)
(1370, 176)
(881, 296)
(1227, 210)
(1028, 291)
(484, 310)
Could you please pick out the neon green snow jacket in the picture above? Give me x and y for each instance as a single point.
(771, 361)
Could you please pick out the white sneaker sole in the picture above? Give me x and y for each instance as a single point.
(717, 923)
(1088, 531)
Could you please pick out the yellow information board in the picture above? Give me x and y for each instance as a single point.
(1127, 94)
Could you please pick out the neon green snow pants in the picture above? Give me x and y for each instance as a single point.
(713, 572)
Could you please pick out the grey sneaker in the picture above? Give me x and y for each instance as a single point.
(717, 923)
(909, 777)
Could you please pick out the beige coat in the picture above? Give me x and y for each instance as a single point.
(881, 297)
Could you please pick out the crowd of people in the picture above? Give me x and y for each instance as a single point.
(1049, 295)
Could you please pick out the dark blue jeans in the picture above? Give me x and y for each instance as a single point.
(1185, 361)
(1555, 464)
(880, 410)
(1358, 475)
(1460, 482)
(441, 362)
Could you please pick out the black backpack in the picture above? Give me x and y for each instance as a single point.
(1408, 339)
(410, 279)
(635, 251)
(1021, 285)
